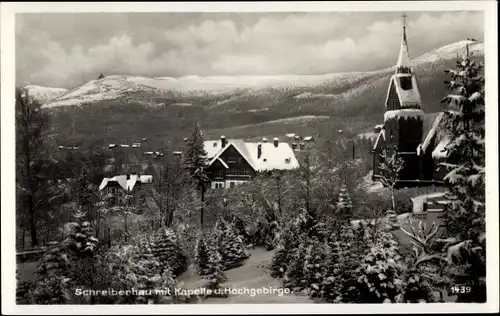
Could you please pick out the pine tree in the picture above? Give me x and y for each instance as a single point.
(283, 254)
(344, 205)
(202, 256)
(86, 196)
(195, 160)
(215, 270)
(294, 275)
(230, 245)
(101, 76)
(315, 266)
(168, 251)
(465, 215)
(51, 285)
(241, 229)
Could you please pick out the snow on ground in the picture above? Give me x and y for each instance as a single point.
(450, 51)
(44, 94)
(370, 186)
(251, 275)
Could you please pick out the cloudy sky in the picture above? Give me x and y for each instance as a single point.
(68, 49)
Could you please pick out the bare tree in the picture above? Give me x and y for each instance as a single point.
(390, 167)
(31, 124)
(167, 190)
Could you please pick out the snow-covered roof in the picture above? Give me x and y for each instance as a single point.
(440, 150)
(379, 126)
(124, 183)
(406, 113)
(407, 98)
(272, 157)
(381, 134)
(291, 135)
(404, 56)
(432, 132)
(307, 138)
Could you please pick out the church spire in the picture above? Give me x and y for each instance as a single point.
(403, 65)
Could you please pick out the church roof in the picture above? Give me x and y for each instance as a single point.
(407, 97)
(404, 56)
(439, 151)
(403, 81)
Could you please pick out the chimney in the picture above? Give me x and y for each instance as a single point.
(294, 146)
(276, 141)
(259, 151)
(223, 141)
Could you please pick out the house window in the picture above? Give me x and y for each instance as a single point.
(219, 174)
(238, 172)
(219, 185)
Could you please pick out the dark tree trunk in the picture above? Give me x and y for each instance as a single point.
(202, 204)
(34, 238)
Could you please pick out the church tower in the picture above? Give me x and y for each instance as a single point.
(403, 117)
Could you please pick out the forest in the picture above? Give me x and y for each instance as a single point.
(303, 218)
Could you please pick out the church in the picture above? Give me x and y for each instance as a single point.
(403, 129)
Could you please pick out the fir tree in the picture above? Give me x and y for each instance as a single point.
(202, 256)
(344, 205)
(101, 76)
(230, 245)
(315, 266)
(168, 251)
(195, 160)
(215, 270)
(465, 215)
(283, 254)
(294, 275)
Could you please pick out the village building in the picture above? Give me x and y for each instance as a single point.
(121, 185)
(403, 129)
(235, 161)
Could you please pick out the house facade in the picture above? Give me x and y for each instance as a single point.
(403, 129)
(121, 185)
(232, 162)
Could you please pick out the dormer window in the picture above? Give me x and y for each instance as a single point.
(287, 160)
(215, 144)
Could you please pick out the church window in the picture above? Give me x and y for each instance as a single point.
(405, 83)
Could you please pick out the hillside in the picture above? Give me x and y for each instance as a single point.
(122, 108)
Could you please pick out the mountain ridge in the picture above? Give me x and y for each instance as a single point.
(146, 90)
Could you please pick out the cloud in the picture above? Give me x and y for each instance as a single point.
(67, 50)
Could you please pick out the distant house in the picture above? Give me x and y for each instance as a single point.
(309, 139)
(120, 185)
(297, 137)
(111, 146)
(290, 135)
(124, 146)
(231, 162)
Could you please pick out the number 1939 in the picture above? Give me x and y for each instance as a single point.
(460, 289)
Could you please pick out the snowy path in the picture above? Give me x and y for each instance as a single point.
(251, 275)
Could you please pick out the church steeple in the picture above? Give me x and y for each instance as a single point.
(403, 65)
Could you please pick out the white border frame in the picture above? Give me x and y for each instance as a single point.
(7, 38)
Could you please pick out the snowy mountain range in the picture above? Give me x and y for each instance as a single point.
(336, 86)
